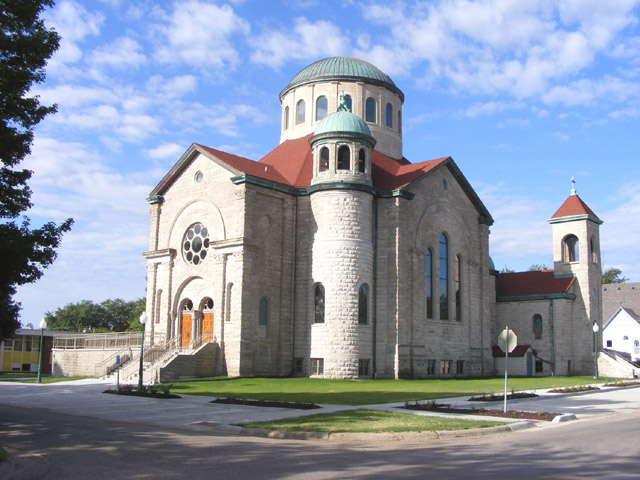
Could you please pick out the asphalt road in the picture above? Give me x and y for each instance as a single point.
(50, 445)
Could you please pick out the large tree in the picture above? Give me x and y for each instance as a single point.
(109, 316)
(25, 46)
(613, 275)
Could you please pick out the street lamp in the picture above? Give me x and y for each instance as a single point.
(43, 325)
(143, 321)
(596, 327)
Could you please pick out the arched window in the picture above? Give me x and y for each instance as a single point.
(363, 305)
(388, 117)
(321, 108)
(300, 112)
(348, 102)
(324, 159)
(318, 304)
(286, 118)
(429, 266)
(570, 249)
(593, 249)
(361, 160)
(444, 290)
(400, 122)
(537, 326)
(370, 110)
(457, 288)
(344, 158)
(263, 312)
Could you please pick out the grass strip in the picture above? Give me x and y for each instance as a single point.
(367, 392)
(370, 421)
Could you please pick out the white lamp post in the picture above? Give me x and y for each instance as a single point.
(43, 325)
(596, 327)
(143, 321)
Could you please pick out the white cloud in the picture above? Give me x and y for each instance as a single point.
(489, 108)
(73, 22)
(173, 87)
(536, 48)
(199, 34)
(307, 40)
(165, 151)
(620, 232)
(124, 52)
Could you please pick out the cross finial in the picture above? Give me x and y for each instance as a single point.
(573, 186)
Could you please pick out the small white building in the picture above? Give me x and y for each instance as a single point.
(621, 333)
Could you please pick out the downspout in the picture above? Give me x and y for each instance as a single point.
(293, 286)
(553, 339)
(375, 282)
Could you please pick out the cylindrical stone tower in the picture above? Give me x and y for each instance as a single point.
(341, 341)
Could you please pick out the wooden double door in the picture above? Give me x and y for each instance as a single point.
(187, 329)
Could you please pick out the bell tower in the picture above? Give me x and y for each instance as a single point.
(576, 253)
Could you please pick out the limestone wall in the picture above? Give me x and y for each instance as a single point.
(81, 363)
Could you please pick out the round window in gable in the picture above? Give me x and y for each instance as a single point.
(199, 176)
(195, 244)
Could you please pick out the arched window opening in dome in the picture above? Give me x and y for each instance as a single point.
(370, 110)
(300, 112)
(400, 122)
(571, 249)
(324, 159)
(344, 158)
(348, 102)
(444, 278)
(321, 107)
(286, 118)
(361, 161)
(388, 116)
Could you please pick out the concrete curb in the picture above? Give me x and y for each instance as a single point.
(377, 437)
(564, 418)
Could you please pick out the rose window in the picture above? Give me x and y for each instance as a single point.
(195, 244)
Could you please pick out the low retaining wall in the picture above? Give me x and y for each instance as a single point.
(79, 363)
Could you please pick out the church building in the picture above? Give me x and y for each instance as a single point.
(334, 256)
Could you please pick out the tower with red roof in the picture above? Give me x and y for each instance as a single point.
(576, 254)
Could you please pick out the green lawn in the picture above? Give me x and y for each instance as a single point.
(369, 421)
(10, 375)
(33, 378)
(366, 392)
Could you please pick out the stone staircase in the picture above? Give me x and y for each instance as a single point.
(616, 364)
(169, 362)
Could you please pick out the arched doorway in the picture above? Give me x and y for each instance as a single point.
(186, 320)
(207, 320)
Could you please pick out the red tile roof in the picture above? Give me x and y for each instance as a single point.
(291, 163)
(519, 351)
(531, 283)
(573, 206)
(389, 174)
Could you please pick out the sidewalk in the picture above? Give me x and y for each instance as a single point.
(84, 397)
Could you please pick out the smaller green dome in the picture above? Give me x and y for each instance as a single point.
(492, 265)
(344, 122)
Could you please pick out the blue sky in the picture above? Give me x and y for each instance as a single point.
(523, 96)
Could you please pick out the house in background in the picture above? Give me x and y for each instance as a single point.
(621, 333)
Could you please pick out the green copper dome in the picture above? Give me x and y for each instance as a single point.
(342, 68)
(343, 122)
